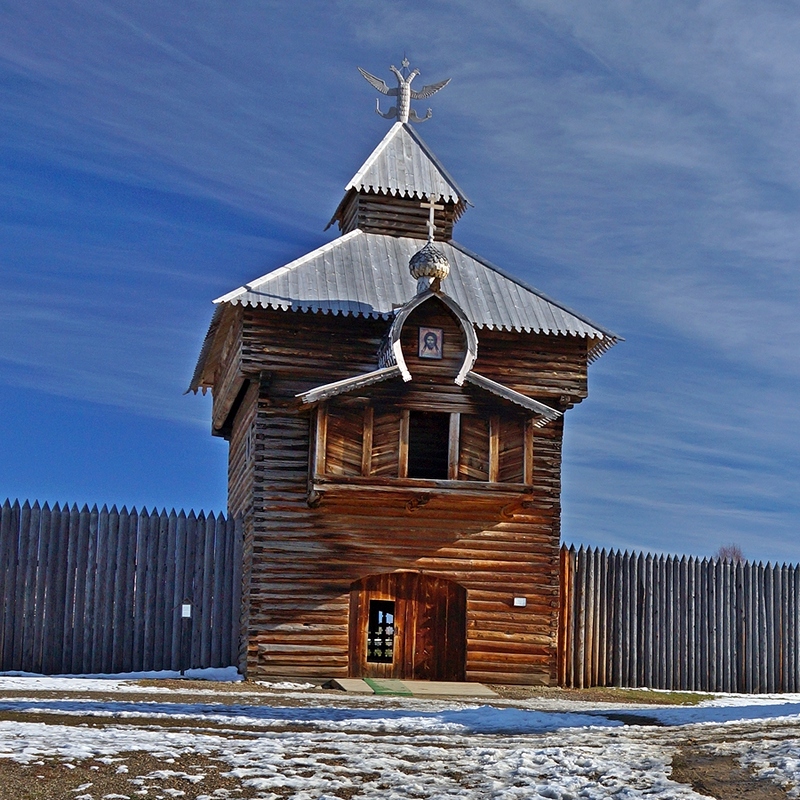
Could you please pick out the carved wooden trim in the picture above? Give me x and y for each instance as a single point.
(494, 448)
(528, 452)
(320, 439)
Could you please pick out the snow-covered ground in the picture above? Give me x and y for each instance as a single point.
(313, 745)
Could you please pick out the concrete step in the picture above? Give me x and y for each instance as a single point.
(393, 686)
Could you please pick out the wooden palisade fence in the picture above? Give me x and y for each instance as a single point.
(102, 591)
(671, 622)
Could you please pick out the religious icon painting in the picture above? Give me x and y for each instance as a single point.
(430, 342)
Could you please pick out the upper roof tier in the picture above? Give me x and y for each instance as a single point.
(400, 195)
(384, 195)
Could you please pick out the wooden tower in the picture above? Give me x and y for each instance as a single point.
(394, 409)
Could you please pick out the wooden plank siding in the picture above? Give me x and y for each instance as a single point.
(99, 590)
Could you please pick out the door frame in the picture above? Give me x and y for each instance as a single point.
(430, 620)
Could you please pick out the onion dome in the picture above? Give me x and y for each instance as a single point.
(427, 265)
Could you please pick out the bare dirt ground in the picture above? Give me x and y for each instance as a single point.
(133, 775)
(721, 777)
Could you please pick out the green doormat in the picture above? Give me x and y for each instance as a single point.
(388, 686)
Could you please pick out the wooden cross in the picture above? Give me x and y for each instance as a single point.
(432, 209)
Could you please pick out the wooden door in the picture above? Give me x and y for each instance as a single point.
(408, 625)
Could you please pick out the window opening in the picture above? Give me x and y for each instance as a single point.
(380, 631)
(428, 439)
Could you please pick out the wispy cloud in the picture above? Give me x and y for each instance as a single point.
(638, 162)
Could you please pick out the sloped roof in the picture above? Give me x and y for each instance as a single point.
(544, 413)
(402, 164)
(328, 390)
(367, 274)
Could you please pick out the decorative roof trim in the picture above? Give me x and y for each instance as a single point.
(352, 305)
(602, 346)
(544, 412)
(336, 388)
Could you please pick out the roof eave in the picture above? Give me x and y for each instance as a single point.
(543, 412)
(508, 276)
(198, 381)
(330, 390)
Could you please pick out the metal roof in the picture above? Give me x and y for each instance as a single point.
(402, 164)
(328, 390)
(367, 274)
(545, 413)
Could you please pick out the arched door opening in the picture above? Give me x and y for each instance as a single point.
(408, 625)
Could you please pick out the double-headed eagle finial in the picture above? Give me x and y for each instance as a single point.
(404, 93)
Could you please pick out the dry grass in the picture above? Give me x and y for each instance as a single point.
(600, 694)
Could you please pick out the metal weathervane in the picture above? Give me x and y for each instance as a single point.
(404, 93)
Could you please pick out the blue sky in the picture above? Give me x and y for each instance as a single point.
(637, 161)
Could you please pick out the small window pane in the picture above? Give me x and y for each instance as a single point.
(380, 632)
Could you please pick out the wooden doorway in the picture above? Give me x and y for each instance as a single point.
(408, 625)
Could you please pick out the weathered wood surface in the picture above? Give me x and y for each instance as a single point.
(329, 502)
(100, 591)
(304, 559)
(384, 213)
(668, 622)
(429, 623)
(303, 351)
(360, 441)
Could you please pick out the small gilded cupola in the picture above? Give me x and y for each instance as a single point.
(393, 191)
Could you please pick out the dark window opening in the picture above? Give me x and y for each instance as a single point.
(428, 442)
(380, 631)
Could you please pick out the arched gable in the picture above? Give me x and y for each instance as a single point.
(407, 330)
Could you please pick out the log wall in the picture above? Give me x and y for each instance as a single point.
(310, 542)
(395, 216)
(305, 559)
